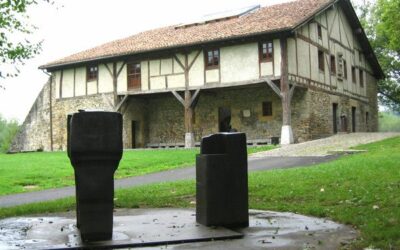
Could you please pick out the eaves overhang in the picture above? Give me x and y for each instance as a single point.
(284, 32)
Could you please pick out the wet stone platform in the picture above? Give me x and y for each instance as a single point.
(177, 229)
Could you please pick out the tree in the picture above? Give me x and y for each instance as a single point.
(14, 34)
(8, 130)
(381, 21)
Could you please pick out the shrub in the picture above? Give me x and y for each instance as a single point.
(8, 130)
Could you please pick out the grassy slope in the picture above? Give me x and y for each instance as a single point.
(51, 170)
(345, 190)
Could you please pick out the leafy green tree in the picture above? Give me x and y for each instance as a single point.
(8, 130)
(15, 46)
(381, 21)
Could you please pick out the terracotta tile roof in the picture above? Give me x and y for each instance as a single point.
(266, 20)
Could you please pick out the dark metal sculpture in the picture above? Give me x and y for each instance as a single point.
(95, 149)
(221, 181)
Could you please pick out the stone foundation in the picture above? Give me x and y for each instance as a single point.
(159, 118)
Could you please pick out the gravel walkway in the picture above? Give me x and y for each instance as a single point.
(322, 147)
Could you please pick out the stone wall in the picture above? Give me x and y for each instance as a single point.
(34, 133)
(63, 107)
(239, 101)
(321, 113)
(135, 110)
(159, 118)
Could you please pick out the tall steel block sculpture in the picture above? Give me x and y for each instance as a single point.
(221, 181)
(95, 149)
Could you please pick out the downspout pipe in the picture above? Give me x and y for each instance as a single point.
(50, 107)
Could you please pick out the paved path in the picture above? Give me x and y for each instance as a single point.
(165, 176)
(322, 147)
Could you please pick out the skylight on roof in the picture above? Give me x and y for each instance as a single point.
(219, 16)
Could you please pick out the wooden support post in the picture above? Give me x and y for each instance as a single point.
(189, 100)
(189, 134)
(189, 103)
(188, 112)
(115, 77)
(286, 93)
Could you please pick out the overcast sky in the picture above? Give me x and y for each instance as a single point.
(71, 26)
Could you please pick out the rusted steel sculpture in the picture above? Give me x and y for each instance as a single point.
(221, 181)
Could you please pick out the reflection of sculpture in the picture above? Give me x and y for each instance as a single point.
(95, 149)
(343, 123)
(221, 176)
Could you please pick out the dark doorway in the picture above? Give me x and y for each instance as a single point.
(353, 119)
(134, 125)
(343, 124)
(366, 122)
(224, 119)
(334, 117)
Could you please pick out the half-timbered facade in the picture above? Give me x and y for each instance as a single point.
(298, 71)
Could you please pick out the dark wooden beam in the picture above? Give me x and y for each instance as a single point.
(194, 59)
(186, 69)
(120, 69)
(115, 79)
(121, 103)
(291, 91)
(178, 97)
(285, 96)
(109, 70)
(179, 62)
(273, 86)
(192, 102)
(61, 83)
(188, 112)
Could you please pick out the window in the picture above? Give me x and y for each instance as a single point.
(91, 73)
(134, 69)
(267, 108)
(266, 51)
(212, 58)
(134, 75)
(361, 78)
(333, 65)
(344, 69)
(321, 64)
(319, 28)
(353, 74)
(360, 56)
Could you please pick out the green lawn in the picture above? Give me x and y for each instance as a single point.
(38, 171)
(362, 190)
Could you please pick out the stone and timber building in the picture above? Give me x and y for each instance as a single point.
(298, 70)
